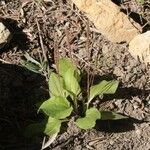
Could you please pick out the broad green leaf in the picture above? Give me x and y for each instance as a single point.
(52, 126)
(65, 64)
(104, 87)
(48, 126)
(108, 115)
(56, 85)
(56, 107)
(89, 120)
(71, 83)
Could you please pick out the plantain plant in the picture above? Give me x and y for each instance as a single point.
(66, 100)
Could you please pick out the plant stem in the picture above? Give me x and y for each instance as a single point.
(84, 106)
(88, 57)
(65, 120)
(87, 105)
(75, 104)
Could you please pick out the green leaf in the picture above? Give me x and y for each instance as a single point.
(141, 1)
(56, 107)
(30, 66)
(89, 120)
(71, 83)
(56, 85)
(108, 115)
(48, 126)
(65, 64)
(52, 126)
(29, 58)
(104, 87)
(50, 141)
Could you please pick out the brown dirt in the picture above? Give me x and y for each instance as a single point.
(59, 22)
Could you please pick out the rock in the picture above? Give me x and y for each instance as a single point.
(109, 20)
(5, 35)
(140, 47)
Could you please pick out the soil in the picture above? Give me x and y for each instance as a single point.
(42, 27)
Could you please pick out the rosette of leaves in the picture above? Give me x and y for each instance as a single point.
(65, 90)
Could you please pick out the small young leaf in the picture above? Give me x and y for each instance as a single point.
(29, 58)
(71, 83)
(89, 120)
(108, 115)
(52, 126)
(104, 87)
(56, 107)
(31, 66)
(56, 85)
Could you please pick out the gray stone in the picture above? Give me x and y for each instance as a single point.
(140, 47)
(5, 35)
(109, 20)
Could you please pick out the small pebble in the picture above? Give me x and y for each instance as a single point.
(111, 142)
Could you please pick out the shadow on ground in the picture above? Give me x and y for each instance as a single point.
(20, 90)
(18, 39)
(117, 126)
(122, 92)
(126, 93)
(135, 16)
